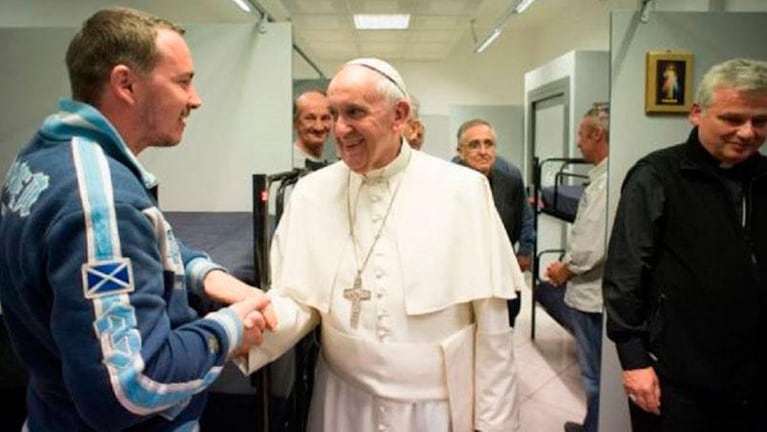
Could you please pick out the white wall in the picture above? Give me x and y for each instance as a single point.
(712, 38)
(243, 126)
(506, 120)
(242, 74)
(33, 78)
(588, 72)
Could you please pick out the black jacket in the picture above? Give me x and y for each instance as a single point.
(685, 279)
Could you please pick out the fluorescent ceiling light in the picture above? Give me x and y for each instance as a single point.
(488, 40)
(381, 21)
(524, 4)
(242, 4)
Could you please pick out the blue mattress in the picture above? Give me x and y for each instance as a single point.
(561, 201)
(226, 236)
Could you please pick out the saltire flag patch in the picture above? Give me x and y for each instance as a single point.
(104, 278)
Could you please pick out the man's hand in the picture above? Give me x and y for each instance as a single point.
(643, 388)
(254, 321)
(225, 288)
(557, 273)
(524, 262)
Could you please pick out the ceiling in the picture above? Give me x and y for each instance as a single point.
(324, 29)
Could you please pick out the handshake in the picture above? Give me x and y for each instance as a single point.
(257, 315)
(251, 304)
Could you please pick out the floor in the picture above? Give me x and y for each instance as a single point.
(550, 388)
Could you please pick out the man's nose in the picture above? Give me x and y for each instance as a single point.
(340, 127)
(194, 98)
(747, 131)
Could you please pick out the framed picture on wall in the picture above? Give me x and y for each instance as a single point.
(669, 80)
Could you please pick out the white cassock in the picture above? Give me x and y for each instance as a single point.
(433, 349)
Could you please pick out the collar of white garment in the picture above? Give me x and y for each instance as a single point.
(598, 170)
(394, 167)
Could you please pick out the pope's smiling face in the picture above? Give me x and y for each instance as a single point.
(367, 125)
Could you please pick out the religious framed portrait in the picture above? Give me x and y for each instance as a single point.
(669, 82)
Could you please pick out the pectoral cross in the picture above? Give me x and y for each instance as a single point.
(356, 295)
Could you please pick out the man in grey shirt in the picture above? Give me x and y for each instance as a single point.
(582, 266)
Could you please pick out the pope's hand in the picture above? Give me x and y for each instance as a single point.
(254, 321)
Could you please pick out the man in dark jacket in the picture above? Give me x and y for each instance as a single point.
(685, 282)
(476, 149)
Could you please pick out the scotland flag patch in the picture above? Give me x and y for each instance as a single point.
(105, 278)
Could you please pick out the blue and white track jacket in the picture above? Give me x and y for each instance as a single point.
(94, 287)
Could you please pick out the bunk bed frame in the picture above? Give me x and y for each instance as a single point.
(559, 201)
(235, 400)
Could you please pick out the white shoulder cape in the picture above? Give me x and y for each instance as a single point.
(452, 244)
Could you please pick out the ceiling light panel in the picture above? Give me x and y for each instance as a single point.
(381, 21)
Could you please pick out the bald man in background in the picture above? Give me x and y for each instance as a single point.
(312, 123)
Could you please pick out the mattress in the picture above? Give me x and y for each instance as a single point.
(226, 236)
(561, 201)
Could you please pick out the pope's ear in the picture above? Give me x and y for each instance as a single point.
(401, 112)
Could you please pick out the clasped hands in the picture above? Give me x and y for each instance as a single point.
(557, 273)
(250, 303)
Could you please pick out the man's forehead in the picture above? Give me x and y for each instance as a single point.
(312, 98)
(351, 77)
(479, 130)
(353, 93)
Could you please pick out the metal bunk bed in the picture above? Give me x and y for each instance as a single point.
(560, 201)
(292, 415)
(237, 402)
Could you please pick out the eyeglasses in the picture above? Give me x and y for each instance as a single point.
(475, 145)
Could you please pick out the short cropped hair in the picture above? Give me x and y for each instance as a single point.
(295, 101)
(415, 107)
(469, 124)
(742, 74)
(109, 38)
(600, 112)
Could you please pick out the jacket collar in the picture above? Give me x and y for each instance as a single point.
(696, 157)
(80, 119)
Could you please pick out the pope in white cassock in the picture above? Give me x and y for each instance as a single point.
(403, 261)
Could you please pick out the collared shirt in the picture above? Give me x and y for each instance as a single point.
(585, 255)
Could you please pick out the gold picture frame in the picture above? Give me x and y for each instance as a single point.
(669, 82)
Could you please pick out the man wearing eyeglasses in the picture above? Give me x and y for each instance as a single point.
(476, 150)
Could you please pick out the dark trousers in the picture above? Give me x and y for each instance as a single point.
(13, 383)
(692, 410)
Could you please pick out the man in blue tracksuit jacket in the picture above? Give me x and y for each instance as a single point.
(94, 285)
